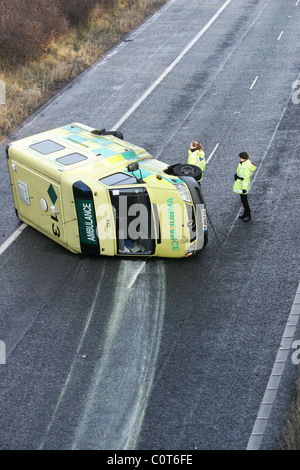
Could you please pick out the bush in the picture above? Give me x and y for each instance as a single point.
(28, 27)
(77, 12)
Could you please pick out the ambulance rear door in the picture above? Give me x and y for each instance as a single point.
(38, 201)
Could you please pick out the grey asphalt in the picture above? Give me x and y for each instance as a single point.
(166, 354)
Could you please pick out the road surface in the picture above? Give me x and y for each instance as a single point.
(167, 354)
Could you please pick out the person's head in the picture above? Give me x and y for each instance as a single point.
(195, 145)
(243, 156)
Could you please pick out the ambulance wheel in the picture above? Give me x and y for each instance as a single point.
(117, 134)
(188, 170)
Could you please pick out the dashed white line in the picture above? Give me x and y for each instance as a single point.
(216, 146)
(253, 83)
(279, 37)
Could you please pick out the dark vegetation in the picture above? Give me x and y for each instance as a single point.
(28, 28)
(45, 44)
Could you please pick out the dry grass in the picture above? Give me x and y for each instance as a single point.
(30, 85)
(291, 432)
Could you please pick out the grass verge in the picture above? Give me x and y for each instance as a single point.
(27, 87)
(291, 431)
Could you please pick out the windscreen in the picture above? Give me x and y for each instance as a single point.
(133, 219)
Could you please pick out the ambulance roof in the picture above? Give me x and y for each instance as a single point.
(75, 144)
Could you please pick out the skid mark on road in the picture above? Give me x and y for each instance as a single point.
(71, 372)
(122, 379)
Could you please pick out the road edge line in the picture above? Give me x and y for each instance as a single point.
(12, 238)
(274, 381)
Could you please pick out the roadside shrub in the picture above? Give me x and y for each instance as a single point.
(28, 27)
(77, 12)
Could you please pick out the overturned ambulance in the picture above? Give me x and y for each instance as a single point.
(96, 194)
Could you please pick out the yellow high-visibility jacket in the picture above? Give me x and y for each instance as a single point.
(244, 171)
(197, 157)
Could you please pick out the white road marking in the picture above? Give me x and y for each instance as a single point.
(279, 37)
(268, 400)
(170, 68)
(216, 146)
(221, 68)
(12, 238)
(253, 83)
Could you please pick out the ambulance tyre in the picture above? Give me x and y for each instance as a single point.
(188, 170)
(117, 134)
(205, 239)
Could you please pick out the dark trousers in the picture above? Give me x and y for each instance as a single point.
(244, 199)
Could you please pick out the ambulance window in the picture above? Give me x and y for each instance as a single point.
(118, 179)
(46, 147)
(71, 158)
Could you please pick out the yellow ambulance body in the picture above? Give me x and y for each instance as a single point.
(94, 193)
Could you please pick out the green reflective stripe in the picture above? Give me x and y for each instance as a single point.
(86, 221)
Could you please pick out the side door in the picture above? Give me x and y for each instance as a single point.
(38, 201)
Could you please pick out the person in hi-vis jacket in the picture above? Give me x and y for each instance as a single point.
(241, 186)
(197, 156)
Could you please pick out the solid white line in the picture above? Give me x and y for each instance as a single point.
(212, 152)
(279, 37)
(12, 238)
(297, 3)
(168, 70)
(253, 83)
(268, 400)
